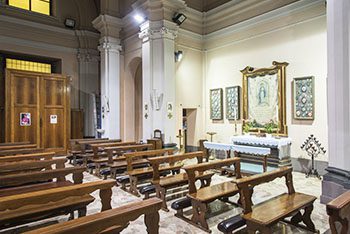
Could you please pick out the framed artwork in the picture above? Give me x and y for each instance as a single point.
(216, 106)
(304, 98)
(233, 103)
(25, 119)
(264, 98)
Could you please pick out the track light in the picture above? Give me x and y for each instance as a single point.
(139, 18)
(179, 18)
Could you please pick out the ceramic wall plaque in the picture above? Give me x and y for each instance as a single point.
(233, 103)
(216, 112)
(304, 98)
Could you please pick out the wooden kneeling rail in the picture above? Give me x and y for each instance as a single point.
(32, 206)
(172, 181)
(339, 211)
(264, 215)
(201, 197)
(110, 221)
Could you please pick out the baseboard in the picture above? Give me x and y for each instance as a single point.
(303, 165)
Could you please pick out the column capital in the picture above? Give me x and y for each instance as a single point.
(108, 26)
(109, 44)
(157, 30)
(88, 55)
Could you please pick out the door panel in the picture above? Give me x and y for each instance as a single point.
(22, 97)
(46, 98)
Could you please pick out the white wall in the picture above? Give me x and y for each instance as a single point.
(189, 89)
(303, 46)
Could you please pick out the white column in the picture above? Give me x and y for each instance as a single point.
(110, 48)
(110, 87)
(158, 71)
(338, 24)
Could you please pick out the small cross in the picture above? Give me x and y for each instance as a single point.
(146, 115)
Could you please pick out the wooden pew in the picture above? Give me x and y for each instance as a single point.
(21, 151)
(144, 173)
(33, 206)
(15, 143)
(339, 212)
(17, 146)
(110, 221)
(84, 144)
(27, 157)
(173, 181)
(120, 162)
(263, 216)
(200, 198)
(28, 166)
(38, 179)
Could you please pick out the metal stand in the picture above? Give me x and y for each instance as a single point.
(313, 148)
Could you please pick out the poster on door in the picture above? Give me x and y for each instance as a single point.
(25, 119)
(53, 119)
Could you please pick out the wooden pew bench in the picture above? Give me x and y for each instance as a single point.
(7, 168)
(118, 164)
(17, 146)
(145, 173)
(15, 143)
(177, 180)
(12, 152)
(200, 198)
(39, 180)
(27, 157)
(261, 217)
(110, 221)
(339, 212)
(33, 206)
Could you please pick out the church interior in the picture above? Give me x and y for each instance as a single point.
(174, 116)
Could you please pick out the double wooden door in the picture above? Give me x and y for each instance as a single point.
(37, 109)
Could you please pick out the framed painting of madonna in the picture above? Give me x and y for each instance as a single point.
(264, 98)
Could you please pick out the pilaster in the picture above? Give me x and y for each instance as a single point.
(337, 180)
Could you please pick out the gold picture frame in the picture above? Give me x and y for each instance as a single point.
(277, 73)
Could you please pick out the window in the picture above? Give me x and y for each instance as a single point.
(40, 6)
(28, 65)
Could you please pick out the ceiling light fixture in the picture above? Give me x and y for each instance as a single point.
(139, 18)
(179, 18)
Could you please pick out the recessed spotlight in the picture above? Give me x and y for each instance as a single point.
(139, 18)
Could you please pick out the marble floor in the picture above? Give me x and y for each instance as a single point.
(219, 211)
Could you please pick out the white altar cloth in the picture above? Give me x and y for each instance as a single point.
(237, 148)
(261, 141)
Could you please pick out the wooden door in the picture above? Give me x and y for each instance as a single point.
(43, 100)
(77, 124)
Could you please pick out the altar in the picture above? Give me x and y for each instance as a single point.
(279, 148)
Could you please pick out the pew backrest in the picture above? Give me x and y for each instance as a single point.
(247, 184)
(192, 170)
(116, 218)
(53, 195)
(42, 176)
(122, 149)
(101, 146)
(84, 144)
(15, 143)
(27, 157)
(14, 147)
(145, 154)
(26, 166)
(339, 211)
(20, 151)
(171, 160)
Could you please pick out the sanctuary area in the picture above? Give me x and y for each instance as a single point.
(174, 116)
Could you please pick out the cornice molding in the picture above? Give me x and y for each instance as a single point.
(108, 26)
(109, 44)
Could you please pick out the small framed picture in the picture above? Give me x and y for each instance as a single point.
(25, 119)
(304, 98)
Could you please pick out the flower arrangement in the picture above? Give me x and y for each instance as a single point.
(270, 127)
